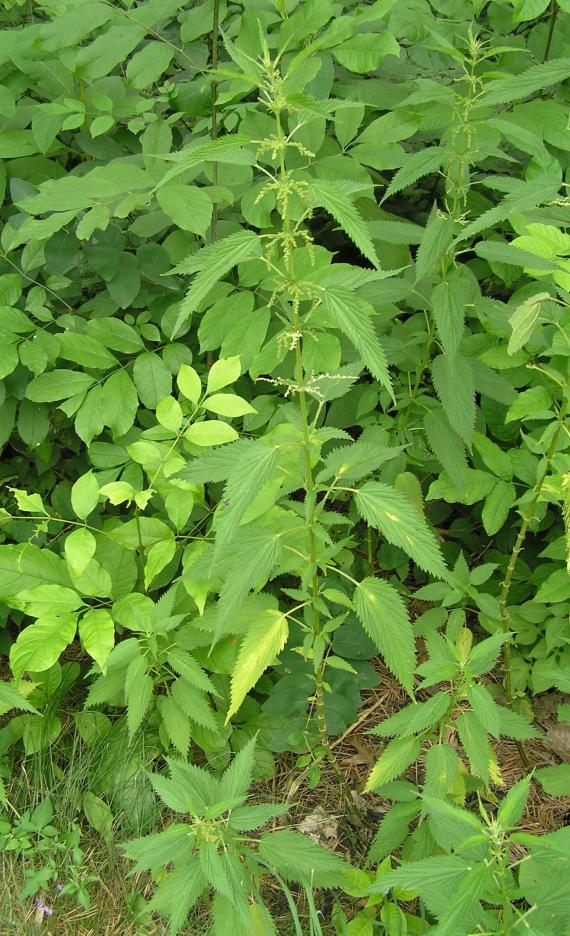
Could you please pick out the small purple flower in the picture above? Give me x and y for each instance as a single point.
(43, 908)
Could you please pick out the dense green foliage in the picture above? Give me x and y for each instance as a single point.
(284, 377)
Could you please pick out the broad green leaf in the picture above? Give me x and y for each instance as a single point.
(229, 405)
(152, 378)
(415, 717)
(523, 320)
(555, 780)
(187, 205)
(264, 641)
(97, 634)
(364, 52)
(251, 469)
(385, 619)
(40, 644)
(98, 815)
(446, 445)
(475, 744)
(513, 805)
(58, 385)
(139, 689)
(223, 372)
(212, 432)
(79, 549)
(252, 558)
(387, 509)
(85, 495)
(189, 383)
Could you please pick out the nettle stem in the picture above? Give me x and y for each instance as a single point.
(309, 483)
(551, 25)
(519, 542)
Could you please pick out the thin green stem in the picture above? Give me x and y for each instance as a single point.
(519, 542)
(214, 106)
(551, 25)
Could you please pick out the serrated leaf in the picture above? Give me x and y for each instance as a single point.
(475, 744)
(212, 263)
(250, 564)
(448, 306)
(352, 316)
(393, 761)
(139, 689)
(384, 617)
(415, 717)
(446, 445)
(455, 387)
(335, 199)
(11, 698)
(515, 87)
(298, 858)
(261, 645)
(390, 511)
(414, 167)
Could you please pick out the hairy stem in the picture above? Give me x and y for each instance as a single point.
(519, 542)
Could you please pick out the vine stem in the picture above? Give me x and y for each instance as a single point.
(551, 25)
(519, 542)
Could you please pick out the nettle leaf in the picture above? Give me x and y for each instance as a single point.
(212, 263)
(263, 642)
(334, 197)
(414, 167)
(299, 858)
(352, 316)
(393, 761)
(416, 717)
(390, 511)
(11, 698)
(515, 87)
(384, 617)
(448, 301)
(251, 468)
(251, 560)
(455, 387)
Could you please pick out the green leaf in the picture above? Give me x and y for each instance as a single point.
(139, 689)
(364, 52)
(264, 641)
(387, 509)
(223, 372)
(249, 565)
(176, 723)
(352, 316)
(448, 300)
(153, 379)
(98, 815)
(455, 387)
(58, 385)
(384, 617)
(189, 383)
(446, 445)
(11, 698)
(414, 167)
(212, 432)
(512, 807)
(415, 717)
(298, 858)
(515, 87)
(497, 506)
(523, 320)
(79, 549)
(393, 761)
(393, 830)
(146, 66)
(85, 495)
(335, 198)
(237, 778)
(251, 469)
(188, 206)
(425, 876)
(39, 645)
(97, 634)
(555, 780)
(475, 744)
(212, 263)
(501, 252)
(156, 851)
(229, 405)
